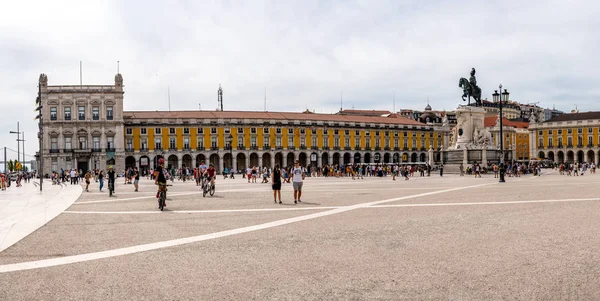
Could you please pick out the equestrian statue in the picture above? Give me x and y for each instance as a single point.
(470, 89)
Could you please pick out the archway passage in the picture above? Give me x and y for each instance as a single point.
(591, 156)
(253, 159)
(570, 157)
(386, 158)
(172, 162)
(324, 159)
(303, 159)
(130, 162)
(405, 158)
(214, 159)
(336, 158)
(144, 165)
(561, 157)
(279, 159)
(313, 159)
(347, 158)
(541, 155)
(422, 157)
(155, 160)
(580, 156)
(396, 158)
(187, 161)
(377, 158)
(266, 160)
(438, 157)
(199, 159)
(368, 158)
(241, 162)
(357, 158)
(413, 157)
(227, 160)
(551, 155)
(290, 160)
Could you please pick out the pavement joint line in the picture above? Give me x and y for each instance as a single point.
(484, 203)
(153, 197)
(44, 263)
(206, 211)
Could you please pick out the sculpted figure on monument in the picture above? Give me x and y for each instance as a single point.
(470, 89)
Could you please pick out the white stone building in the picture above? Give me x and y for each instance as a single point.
(82, 126)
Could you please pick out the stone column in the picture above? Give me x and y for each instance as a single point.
(585, 157)
(221, 163)
(260, 162)
(484, 155)
(247, 160)
(362, 158)
(272, 161)
(234, 162)
(330, 162)
(465, 157)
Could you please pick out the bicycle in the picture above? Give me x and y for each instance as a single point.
(207, 187)
(111, 188)
(162, 196)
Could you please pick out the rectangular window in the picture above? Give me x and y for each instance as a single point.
(227, 130)
(541, 142)
(302, 142)
(325, 142)
(186, 130)
(266, 141)
(347, 142)
(302, 131)
(314, 131)
(227, 143)
(579, 131)
(560, 142)
(110, 142)
(172, 131)
(387, 133)
(81, 113)
(314, 141)
(336, 142)
(158, 143)
(96, 142)
(367, 133)
(589, 140)
(82, 142)
(240, 142)
(172, 145)
(278, 130)
(200, 142)
(95, 113)
(336, 132)
(213, 142)
(240, 130)
(368, 143)
(560, 132)
(213, 130)
(53, 113)
(253, 141)
(252, 130)
(157, 131)
(143, 131)
(129, 144)
(68, 143)
(346, 132)
(109, 113)
(55, 165)
(129, 131)
(357, 142)
(290, 141)
(570, 141)
(325, 132)
(265, 130)
(405, 143)
(68, 113)
(387, 143)
(569, 131)
(200, 131)
(278, 142)
(144, 144)
(54, 143)
(550, 142)
(290, 131)
(376, 133)
(377, 143)
(396, 144)
(357, 133)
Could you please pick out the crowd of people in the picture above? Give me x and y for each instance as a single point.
(6, 179)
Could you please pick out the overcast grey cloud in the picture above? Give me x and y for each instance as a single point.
(305, 53)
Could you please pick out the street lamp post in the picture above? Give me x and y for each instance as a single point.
(500, 97)
(18, 140)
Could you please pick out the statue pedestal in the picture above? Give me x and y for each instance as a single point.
(468, 119)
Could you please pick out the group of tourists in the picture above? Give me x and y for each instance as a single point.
(576, 169)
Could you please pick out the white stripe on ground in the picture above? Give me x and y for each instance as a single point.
(206, 211)
(182, 241)
(483, 203)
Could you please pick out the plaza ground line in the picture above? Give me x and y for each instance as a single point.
(193, 239)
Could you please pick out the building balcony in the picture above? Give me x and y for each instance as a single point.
(590, 145)
(414, 148)
(405, 148)
(387, 148)
(302, 146)
(158, 149)
(143, 149)
(314, 147)
(279, 147)
(579, 145)
(291, 148)
(110, 149)
(336, 148)
(214, 148)
(325, 148)
(200, 148)
(172, 149)
(357, 146)
(347, 148)
(187, 149)
(54, 151)
(254, 147)
(266, 146)
(377, 148)
(241, 147)
(569, 145)
(129, 150)
(396, 148)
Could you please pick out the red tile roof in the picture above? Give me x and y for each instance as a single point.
(491, 121)
(398, 120)
(365, 112)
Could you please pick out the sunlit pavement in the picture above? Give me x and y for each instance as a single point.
(451, 237)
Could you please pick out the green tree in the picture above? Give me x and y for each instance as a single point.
(11, 165)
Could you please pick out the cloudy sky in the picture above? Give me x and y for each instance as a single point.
(304, 52)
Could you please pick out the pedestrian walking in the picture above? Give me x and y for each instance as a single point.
(276, 180)
(298, 178)
(87, 177)
(441, 170)
(136, 178)
(101, 179)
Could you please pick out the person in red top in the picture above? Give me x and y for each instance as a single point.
(210, 173)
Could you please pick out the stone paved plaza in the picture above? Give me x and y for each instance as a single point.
(450, 238)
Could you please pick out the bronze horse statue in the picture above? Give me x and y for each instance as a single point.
(470, 91)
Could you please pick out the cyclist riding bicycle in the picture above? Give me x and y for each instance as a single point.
(110, 175)
(159, 175)
(210, 173)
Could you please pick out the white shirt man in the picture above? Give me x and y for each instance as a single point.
(298, 175)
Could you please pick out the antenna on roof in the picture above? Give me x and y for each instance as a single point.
(199, 106)
(394, 103)
(169, 97)
(117, 67)
(220, 97)
(341, 101)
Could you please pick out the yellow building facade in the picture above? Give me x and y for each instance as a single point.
(243, 139)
